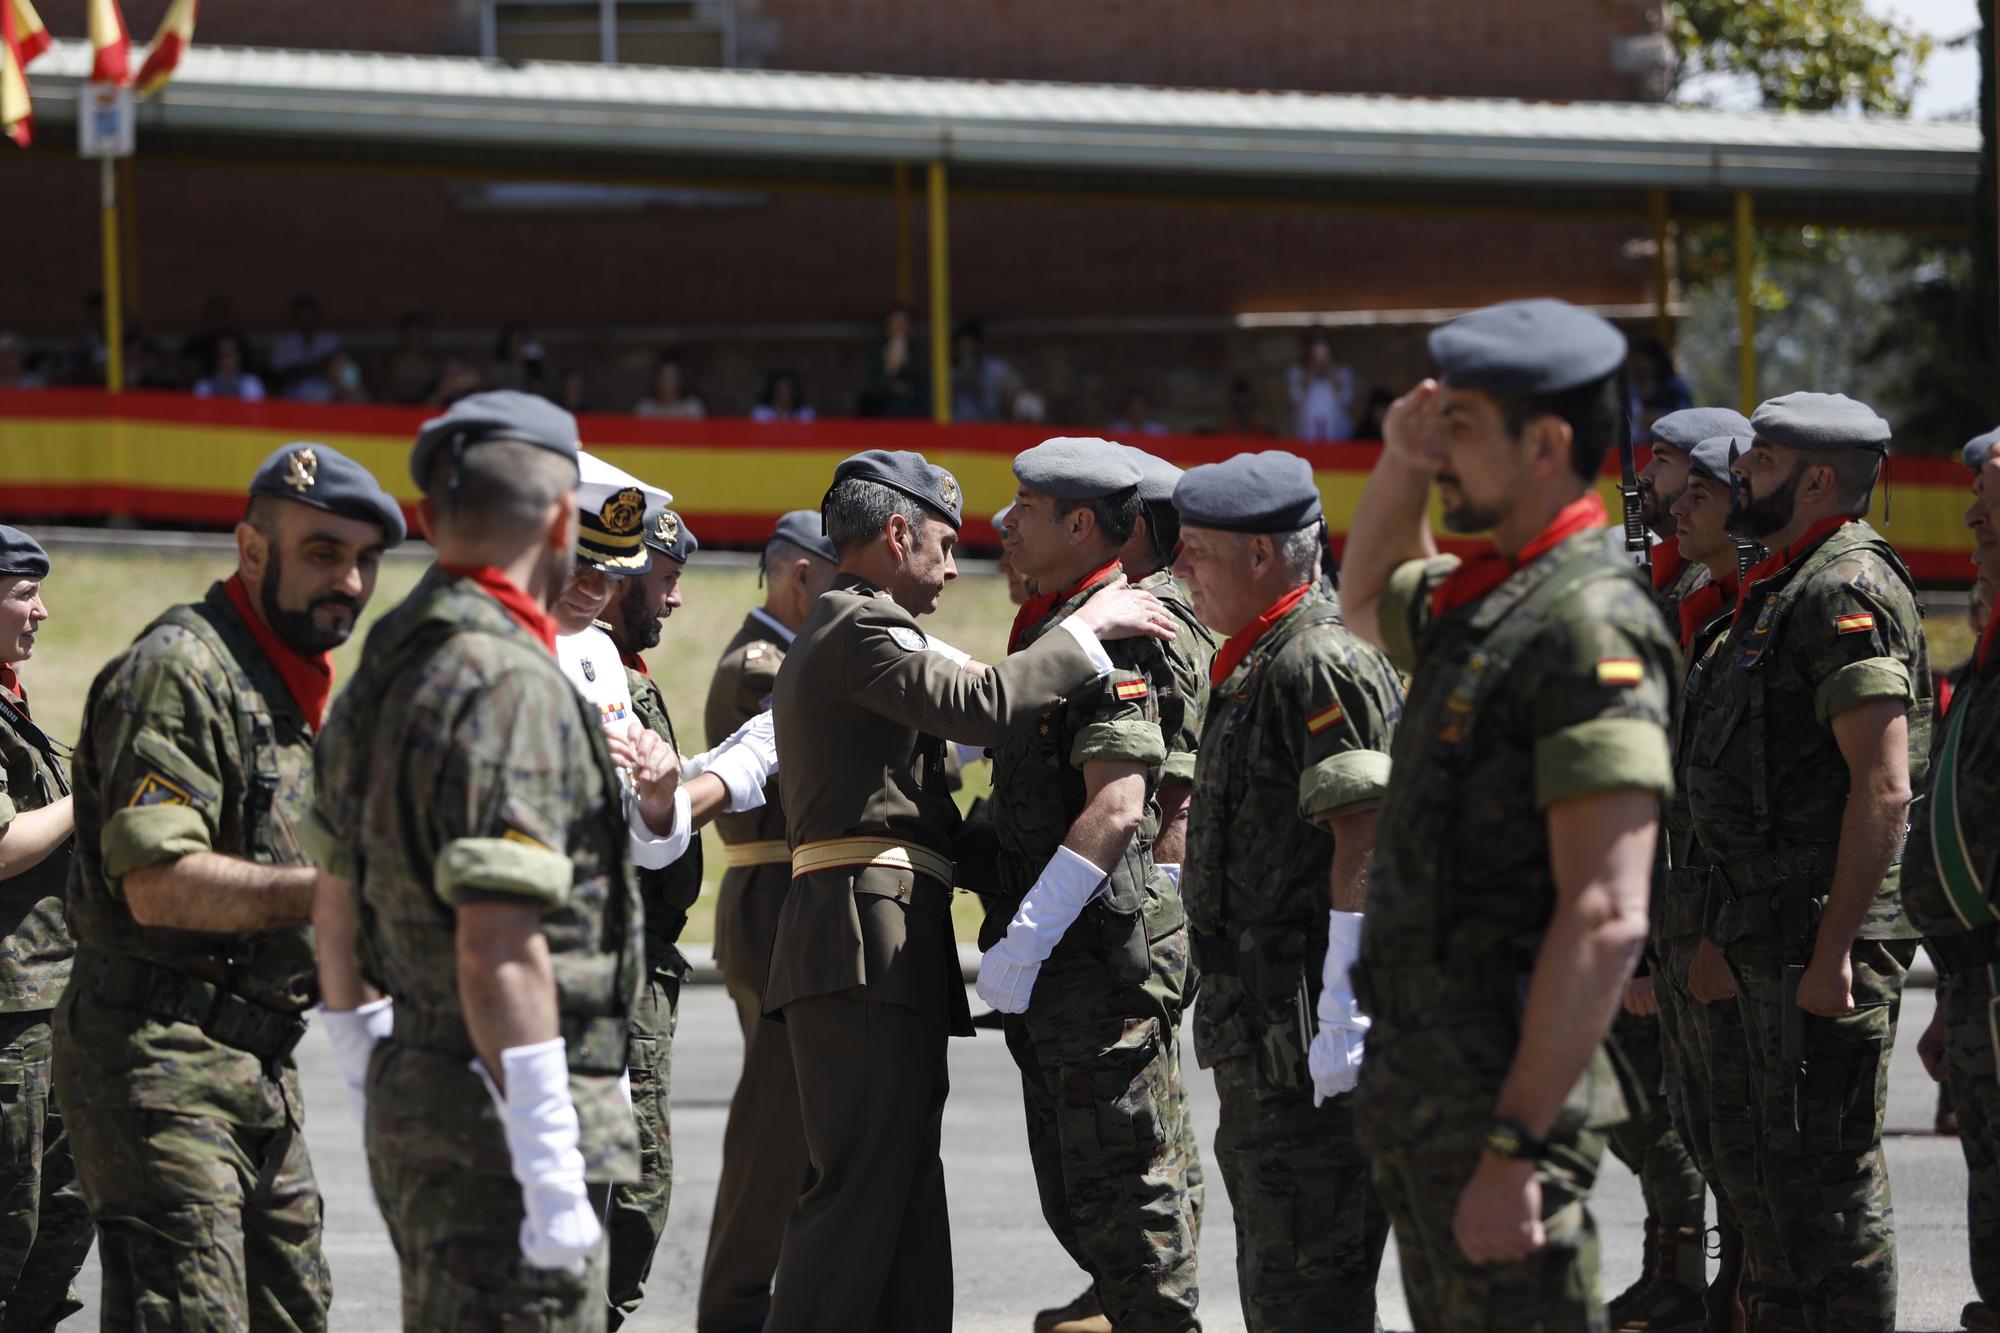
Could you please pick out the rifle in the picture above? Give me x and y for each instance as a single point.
(1636, 544)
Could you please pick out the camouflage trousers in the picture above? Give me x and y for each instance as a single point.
(458, 1243)
(1708, 1092)
(1649, 1143)
(638, 1212)
(202, 1225)
(1107, 1129)
(45, 1228)
(1820, 1161)
(1971, 1043)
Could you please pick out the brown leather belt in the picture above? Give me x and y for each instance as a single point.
(847, 853)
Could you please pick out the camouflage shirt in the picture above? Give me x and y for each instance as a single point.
(1681, 900)
(1835, 628)
(1299, 732)
(1951, 868)
(1038, 786)
(669, 891)
(1184, 697)
(460, 766)
(35, 945)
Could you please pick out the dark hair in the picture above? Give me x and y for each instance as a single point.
(1854, 475)
(1163, 527)
(773, 380)
(970, 328)
(856, 511)
(1595, 413)
(1117, 514)
(504, 487)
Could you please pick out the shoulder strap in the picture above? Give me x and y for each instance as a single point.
(53, 750)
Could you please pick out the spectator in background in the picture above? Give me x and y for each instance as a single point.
(1657, 387)
(982, 385)
(1323, 393)
(896, 383)
(1242, 417)
(86, 355)
(782, 400)
(343, 376)
(573, 392)
(517, 362)
(670, 397)
(1137, 419)
(226, 377)
(218, 320)
(455, 381)
(413, 370)
(145, 368)
(14, 372)
(1373, 415)
(300, 356)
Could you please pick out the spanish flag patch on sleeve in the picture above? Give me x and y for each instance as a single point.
(1620, 671)
(1856, 622)
(1320, 721)
(1129, 690)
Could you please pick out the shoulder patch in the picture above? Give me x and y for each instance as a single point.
(753, 652)
(1130, 689)
(515, 835)
(1620, 671)
(910, 640)
(1856, 623)
(1320, 721)
(156, 788)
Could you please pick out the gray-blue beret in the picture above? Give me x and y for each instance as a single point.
(499, 414)
(804, 529)
(1527, 347)
(1712, 457)
(21, 555)
(1688, 427)
(1075, 468)
(1980, 448)
(909, 472)
(670, 535)
(321, 476)
(1819, 422)
(1271, 491)
(1157, 477)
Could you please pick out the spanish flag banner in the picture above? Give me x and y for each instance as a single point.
(17, 114)
(30, 37)
(110, 44)
(170, 43)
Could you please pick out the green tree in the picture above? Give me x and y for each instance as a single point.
(1804, 55)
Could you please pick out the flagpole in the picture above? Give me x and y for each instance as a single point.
(114, 295)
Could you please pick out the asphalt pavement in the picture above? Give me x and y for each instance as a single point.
(1007, 1265)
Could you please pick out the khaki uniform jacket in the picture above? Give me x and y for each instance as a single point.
(863, 709)
(746, 906)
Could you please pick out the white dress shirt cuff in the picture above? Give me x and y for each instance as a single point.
(651, 851)
(1087, 640)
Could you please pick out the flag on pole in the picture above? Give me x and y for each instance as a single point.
(17, 114)
(110, 44)
(176, 34)
(30, 37)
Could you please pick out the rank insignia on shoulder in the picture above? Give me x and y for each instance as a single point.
(1857, 622)
(515, 835)
(909, 640)
(1130, 689)
(1620, 671)
(752, 654)
(1325, 718)
(157, 788)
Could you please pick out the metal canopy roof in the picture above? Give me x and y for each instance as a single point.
(233, 102)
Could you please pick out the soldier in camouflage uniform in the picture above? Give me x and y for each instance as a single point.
(1951, 887)
(504, 925)
(1093, 990)
(189, 900)
(764, 1145)
(1506, 904)
(1290, 771)
(1798, 781)
(44, 1223)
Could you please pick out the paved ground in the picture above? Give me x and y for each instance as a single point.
(1007, 1265)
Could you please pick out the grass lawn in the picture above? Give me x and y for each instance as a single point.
(99, 601)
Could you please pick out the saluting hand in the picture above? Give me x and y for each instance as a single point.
(1120, 611)
(1413, 428)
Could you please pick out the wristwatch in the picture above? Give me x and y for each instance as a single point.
(1507, 1138)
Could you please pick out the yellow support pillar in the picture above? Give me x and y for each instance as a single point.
(114, 293)
(906, 268)
(1746, 304)
(1663, 268)
(940, 299)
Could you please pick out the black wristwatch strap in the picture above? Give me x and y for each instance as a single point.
(1510, 1139)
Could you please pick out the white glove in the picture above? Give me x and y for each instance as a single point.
(1171, 869)
(354, 1033)
(1334, 1058)
(1007, 971)
(543, 1133)
(744, 763)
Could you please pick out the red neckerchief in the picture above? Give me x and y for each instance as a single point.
(1778, 561)
(1944, 693)
(1482, 573)
(1238, 645)
(1700, 606)
(634, 661)
(1985, 648)
(10, 681)
(527, 612)
(1668, 562)
(1036, 607)
(309, 680)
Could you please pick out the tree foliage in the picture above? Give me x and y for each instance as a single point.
(1804, 55)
